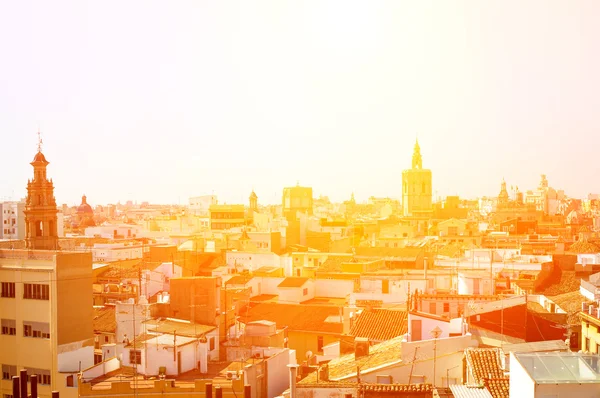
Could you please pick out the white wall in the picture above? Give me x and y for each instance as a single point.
(427, 325)
(333, 288)
(278, 373)
(75, 358)
(521, 385)
(115, 252)
(267, 285)
(296, 294)
(124, 315)
(470, 284)
(252, 261)
(101, 369)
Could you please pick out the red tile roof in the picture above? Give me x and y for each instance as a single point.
(104, 320)
(380, 324)
(238, 280)
(484, 363)
(297, 317)
(293, 282)
(499, 388)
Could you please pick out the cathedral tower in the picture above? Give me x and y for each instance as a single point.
(253, 201)
(40, 208)
(416, 186)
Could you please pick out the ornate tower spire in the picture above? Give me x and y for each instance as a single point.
(503, 195)
(417, 160)
(40, 208)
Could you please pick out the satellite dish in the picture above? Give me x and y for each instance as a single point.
(309, 354)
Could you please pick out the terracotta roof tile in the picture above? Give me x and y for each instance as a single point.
(293, 282)
(297, 317)
(104, 320)
(380, 324)
(386, 353)
(498, 388)
(484, 362)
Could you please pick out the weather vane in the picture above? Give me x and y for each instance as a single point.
(40, 142)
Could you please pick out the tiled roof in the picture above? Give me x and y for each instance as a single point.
(371, 387)
(569, 282)
(238, 280)
(380, 324)
(293, 282)
(498, 388)
(571, 303)
(386, 353)
(104, 320)
(410, 388)
(297, 317)
(484, 362)
(334, 263)
(181, 328)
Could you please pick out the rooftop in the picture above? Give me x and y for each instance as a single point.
(161, 339)
(293, 282)
(297, 317)
(560, 367)
(179, 327)
(380, 324)
(484, 363)
(386, 353)
(104, 320)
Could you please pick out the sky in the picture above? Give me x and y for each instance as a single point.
(159, 101)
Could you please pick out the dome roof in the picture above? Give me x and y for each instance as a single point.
(39, 157)
(85, 208)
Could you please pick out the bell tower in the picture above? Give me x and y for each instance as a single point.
(40, 207)
(253, 201)
(416, 187)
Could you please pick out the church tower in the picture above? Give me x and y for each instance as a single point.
(503, 195)
(40, 208)
(416, 186)
(253, 201)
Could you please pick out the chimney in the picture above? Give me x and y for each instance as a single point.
(361, 347)
(293, 373)
(16, 386)
(208, 390)
(23, 377)
(34, 386)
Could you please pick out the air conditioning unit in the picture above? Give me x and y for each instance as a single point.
(231, 375)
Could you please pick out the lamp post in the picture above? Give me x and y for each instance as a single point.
(435, 333)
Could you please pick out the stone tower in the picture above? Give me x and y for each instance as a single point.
(40, 208)
(416, 186)
(503, 197)
(253, 201)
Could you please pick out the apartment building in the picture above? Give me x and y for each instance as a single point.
(46, 318)
(12, 220)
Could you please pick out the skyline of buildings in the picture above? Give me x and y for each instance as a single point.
(416, 172)
(135, 295)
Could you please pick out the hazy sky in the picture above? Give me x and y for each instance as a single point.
(162, 100)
